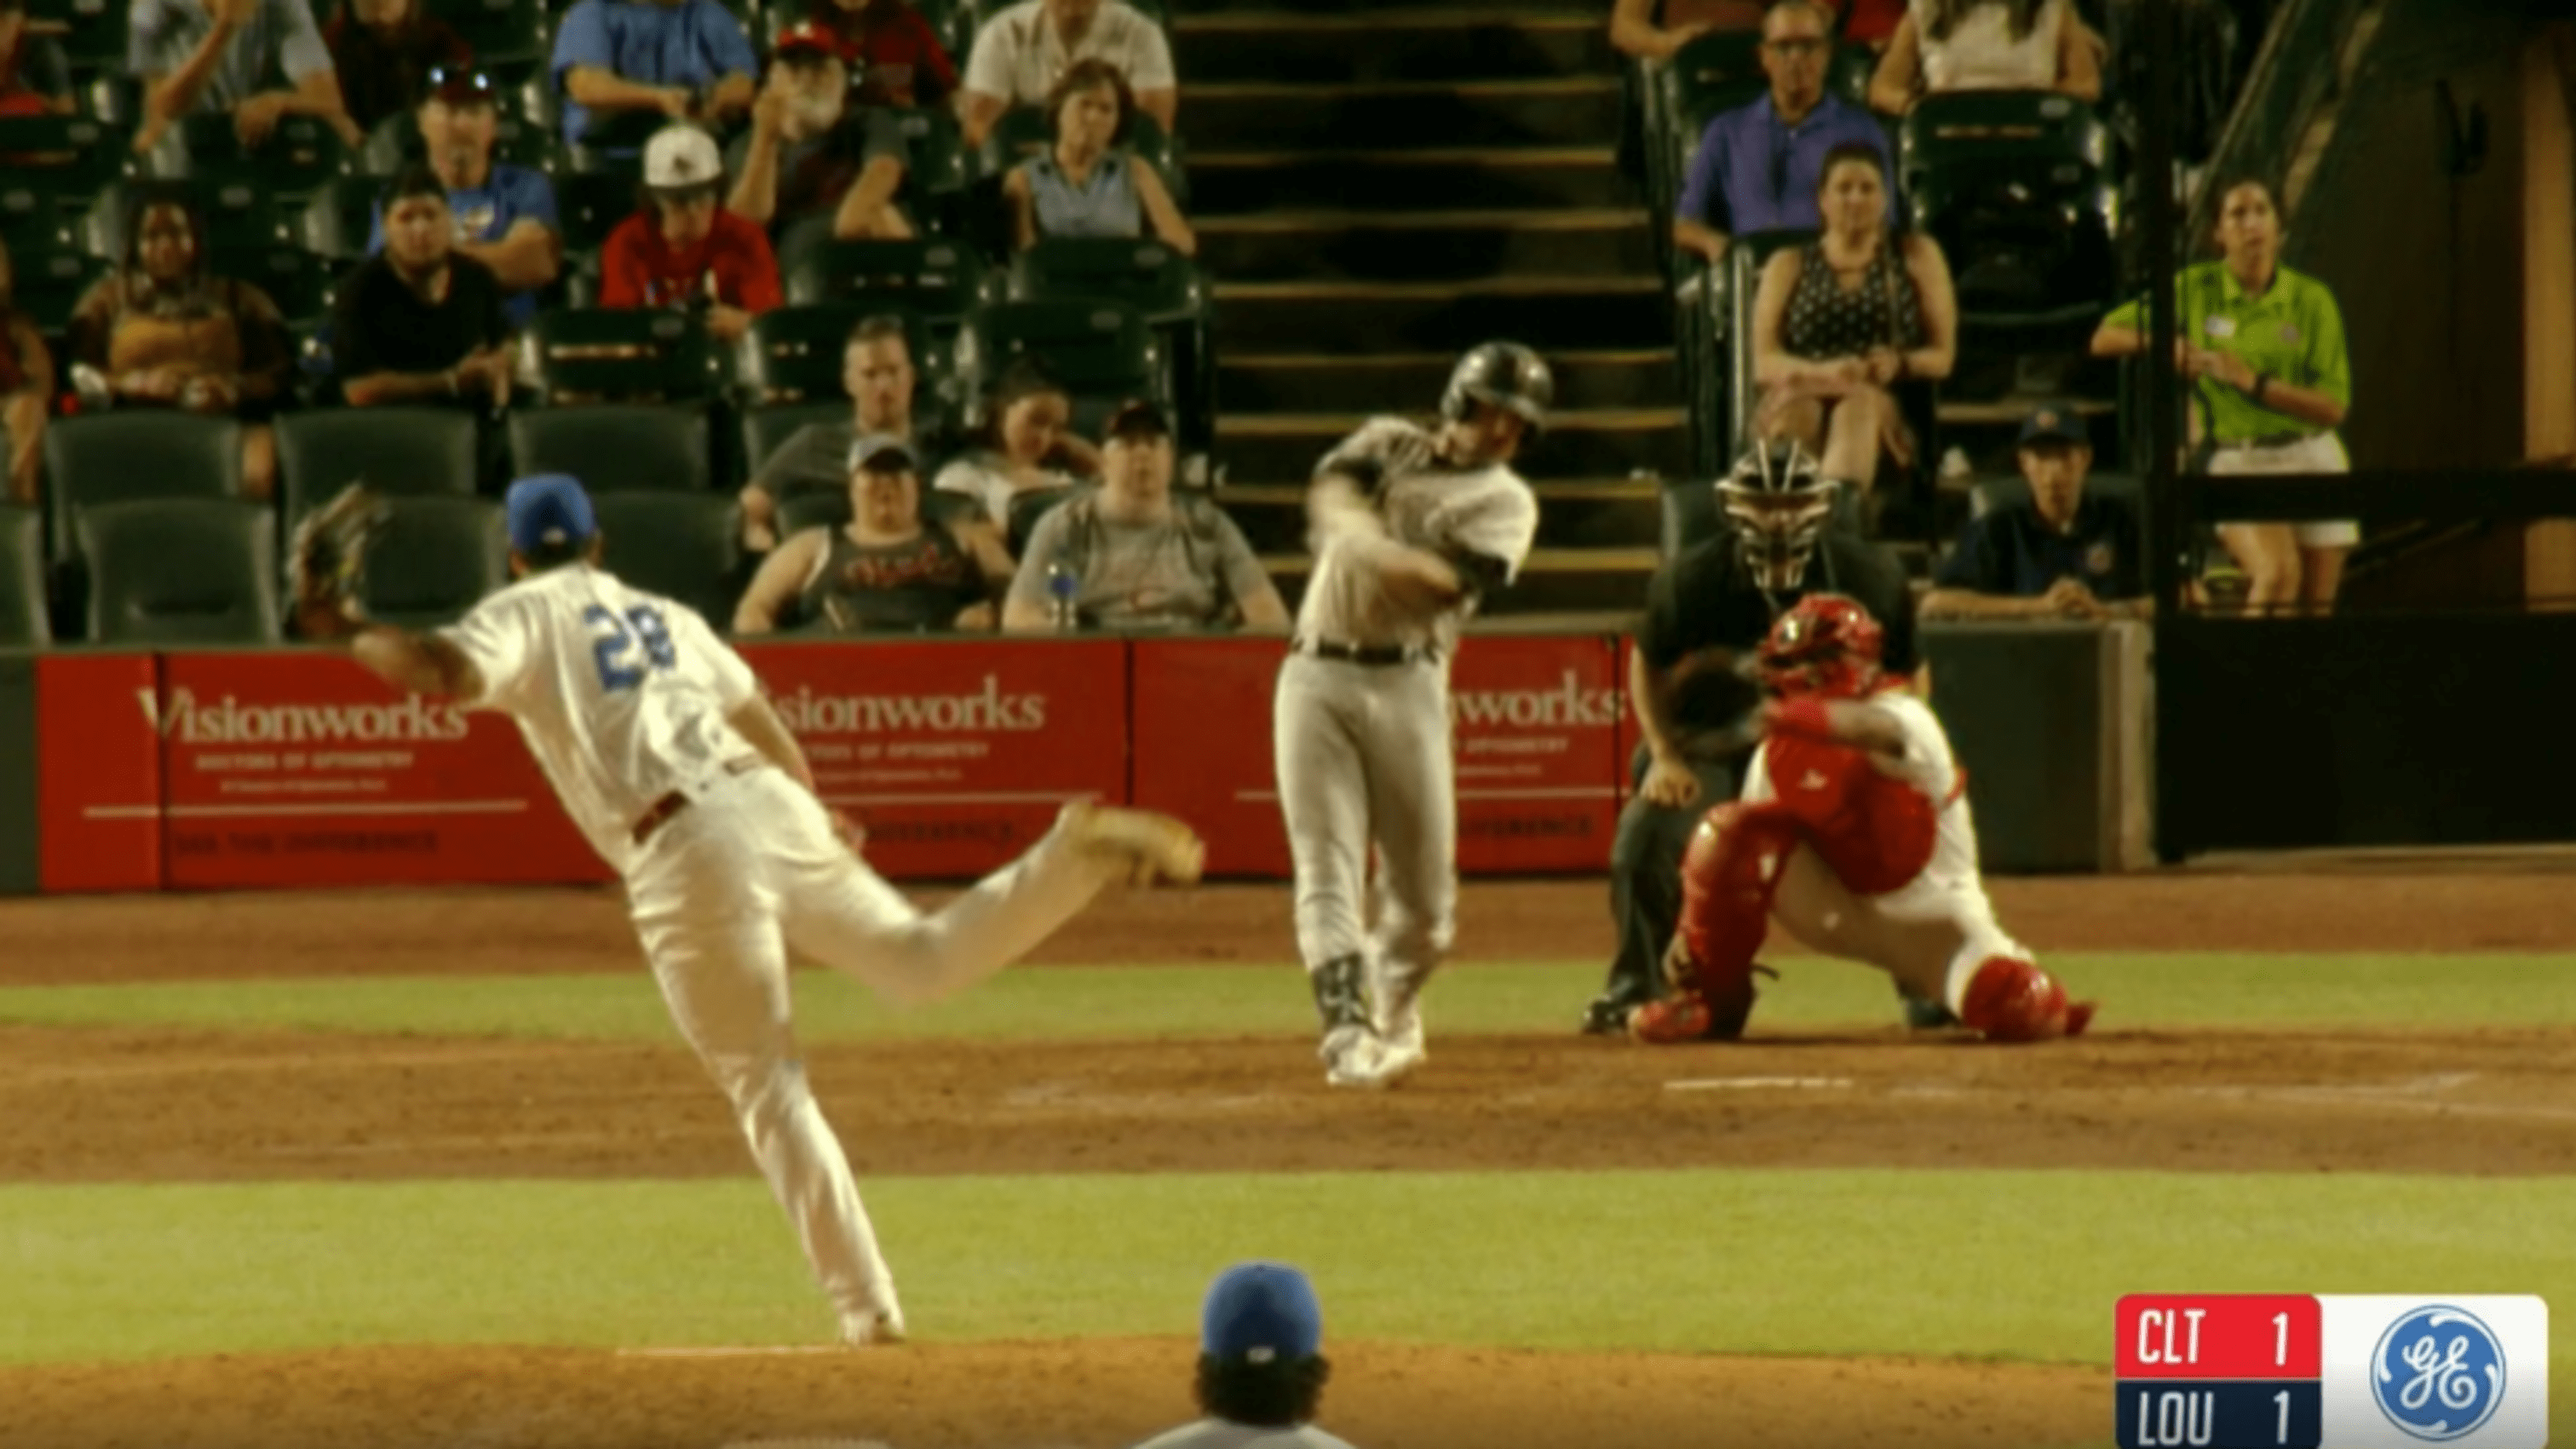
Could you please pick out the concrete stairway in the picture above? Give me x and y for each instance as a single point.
(1376, 190)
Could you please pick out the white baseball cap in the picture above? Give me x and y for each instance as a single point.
(680, 157)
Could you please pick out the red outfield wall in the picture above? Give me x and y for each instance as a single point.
(298, 769)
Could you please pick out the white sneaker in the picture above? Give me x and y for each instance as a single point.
(883, 1326)
(1154, 847)
(1397, 1060)
(1350, 1056)
(1396, 1009)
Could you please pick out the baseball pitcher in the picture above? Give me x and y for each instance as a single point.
(1411, 528)
(1854, 831)
(663, 750)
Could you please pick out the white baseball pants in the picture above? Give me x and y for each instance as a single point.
(1362, 753)
(753, 867)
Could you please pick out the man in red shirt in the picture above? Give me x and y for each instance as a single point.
(684, 250)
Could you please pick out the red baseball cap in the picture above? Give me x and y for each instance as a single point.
(807, 37)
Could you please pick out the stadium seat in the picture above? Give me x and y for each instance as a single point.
(49, 284)
(116, 457)
(793, 354)
(615, 447)
(181, 571)
(23, 624)
(937, 281)
(397, 451)
(2015, 185)
(509, 37)
(591, 204)
(687, 546)
(300, 283)
(336, 222)
(96, 34)
(435, 559)
(296, 160)
(617, 354)
(766, 430)
(1027, 508)
(1164, 287)
(238, 214)
(79, 157)
(1102, 352)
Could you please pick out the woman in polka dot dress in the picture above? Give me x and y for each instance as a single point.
(1838, 322)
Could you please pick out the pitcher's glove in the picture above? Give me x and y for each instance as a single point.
(327, 561)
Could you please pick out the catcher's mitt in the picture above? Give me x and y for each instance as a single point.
(327, 561)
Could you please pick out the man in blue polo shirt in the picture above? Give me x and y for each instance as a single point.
(2061, 553)
(1757, 168)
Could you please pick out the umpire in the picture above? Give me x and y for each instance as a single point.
(1690, 684)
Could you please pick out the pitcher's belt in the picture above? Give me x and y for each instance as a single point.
(1375, 656)
(659, 813)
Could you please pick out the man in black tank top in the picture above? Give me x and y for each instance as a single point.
(890, 569)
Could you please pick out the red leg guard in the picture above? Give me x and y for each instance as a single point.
(2012, 1000)
(1729, 875)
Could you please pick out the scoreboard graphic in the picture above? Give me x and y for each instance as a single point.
(2305, 1371)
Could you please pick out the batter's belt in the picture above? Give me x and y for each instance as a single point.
(659, 813)
(1374, 656)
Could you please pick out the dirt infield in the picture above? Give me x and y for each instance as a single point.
(158, 1105)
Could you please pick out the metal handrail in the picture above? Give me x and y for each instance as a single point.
(2281, 92)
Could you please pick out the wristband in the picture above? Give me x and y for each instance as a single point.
(1805, 717)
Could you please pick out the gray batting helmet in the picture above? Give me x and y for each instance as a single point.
(1778, 499)
(1504, 375)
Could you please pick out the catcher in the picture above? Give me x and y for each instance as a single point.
(1854, 831)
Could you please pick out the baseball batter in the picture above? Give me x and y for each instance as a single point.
(1854, 830)
(1411, 529)
(663, 750)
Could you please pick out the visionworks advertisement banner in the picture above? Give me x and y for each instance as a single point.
(956, 757)
(98, 772)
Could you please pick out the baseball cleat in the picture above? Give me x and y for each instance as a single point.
(1156, 847)
(1680, 1017)
(1352, 1056)
(1396, 1060)
(884, 1326)
(1607, 1016)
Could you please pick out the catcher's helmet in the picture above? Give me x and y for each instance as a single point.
(1778, 499)
(1504, 375)
(1827, 645)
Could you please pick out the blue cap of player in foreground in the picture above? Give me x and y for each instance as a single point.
(1261, 1313)
(548, 511)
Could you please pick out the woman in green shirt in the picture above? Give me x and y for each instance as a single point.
(2262, 347)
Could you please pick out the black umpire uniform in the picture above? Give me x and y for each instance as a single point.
(1706, 598)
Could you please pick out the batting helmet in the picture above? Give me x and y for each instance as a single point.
(1778, 499)
(1826, 645)
(1504, 375)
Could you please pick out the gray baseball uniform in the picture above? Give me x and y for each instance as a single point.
(1362, 743)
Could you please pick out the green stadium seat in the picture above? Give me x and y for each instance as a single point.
(49, 284)
(508, 36)
(397, 451)
(336, 222)
(436, 558)
(936, 280)
(685, 546)
(615, 447)
(57, 164)
(117, 457)
(300, 283)
(181, 571)
(618, 354)
(592, 203)
(766, 430)
(794, 354)
(1165, 287)
(23, 622)
(2016, 187)
(293, 162)
(1027, 508)
(1102, 352)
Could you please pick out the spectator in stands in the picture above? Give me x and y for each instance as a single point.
(898, 59)
(1140, 556)
(26, 389)
(1020, 53)
(35, 80)
(1658, 29)
(420, 322)
(877, 372)
(1841, 321)
(505, 215)
(1089, 184)
(163, 331)
(1028, 445)
(1987, 45)
(803, 155)
(685, 251)
(1261, 1365)
(2065, 552)
(385, 51)
(2263, 349)
(623, 63)
(890, 569)
(201, 57)
(1871, 23)
(1756, 168)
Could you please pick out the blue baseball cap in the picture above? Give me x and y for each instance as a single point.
(546, 511)
(1261, 1313)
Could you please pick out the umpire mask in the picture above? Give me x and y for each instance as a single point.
(1777, 501)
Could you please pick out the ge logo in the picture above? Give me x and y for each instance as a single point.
(2438, 1373)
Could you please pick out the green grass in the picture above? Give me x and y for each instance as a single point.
(2139, 991)
(2010, 1265)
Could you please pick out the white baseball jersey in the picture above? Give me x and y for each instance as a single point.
(622, 695)
(1221, 1434)
(1448, 511)
(1928, 766)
